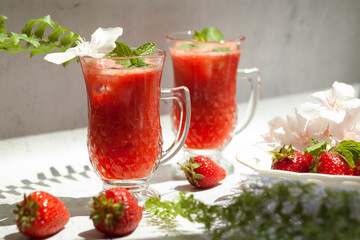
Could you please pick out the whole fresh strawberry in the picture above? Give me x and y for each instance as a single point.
(115, 212)
(41, 215)
(289, 159)
(341, 159)
(331, 163)
(357, 168)
(202, 172)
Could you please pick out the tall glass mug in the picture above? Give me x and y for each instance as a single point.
(124, 131)
(210, 71)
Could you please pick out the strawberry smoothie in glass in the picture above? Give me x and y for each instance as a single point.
(124, 131)
(209, 69)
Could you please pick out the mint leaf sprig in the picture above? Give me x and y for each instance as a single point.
(287, 210)
(123, 50)
(207, 34)
(34, 39)
(348, 149)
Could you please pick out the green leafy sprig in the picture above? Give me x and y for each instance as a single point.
(207, 34)
(34, 38)
(288, 210)
(349, 149)
(123, 50)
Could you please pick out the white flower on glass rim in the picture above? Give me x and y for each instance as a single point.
(335, 104)
(102, 42)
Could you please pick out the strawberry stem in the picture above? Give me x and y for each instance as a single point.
(26, 212)
(106, 211)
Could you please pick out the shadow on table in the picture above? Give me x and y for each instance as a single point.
(164, 173)
(190, 188)
(94, 234)
(16, 236)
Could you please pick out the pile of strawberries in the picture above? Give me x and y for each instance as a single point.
(342, 159)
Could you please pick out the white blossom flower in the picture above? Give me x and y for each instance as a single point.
(102, 42)
(335, 118)
(334, 103)
(349, 129)
(296, 130)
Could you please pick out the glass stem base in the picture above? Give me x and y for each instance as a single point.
(140, 190)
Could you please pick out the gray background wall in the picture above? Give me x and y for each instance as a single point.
(299, 45)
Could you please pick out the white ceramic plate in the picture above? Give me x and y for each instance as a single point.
(263, 166)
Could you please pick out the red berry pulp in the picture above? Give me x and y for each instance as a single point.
(124, 132)
(211, 79)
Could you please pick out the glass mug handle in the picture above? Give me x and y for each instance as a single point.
(253, 75)
(182, 97)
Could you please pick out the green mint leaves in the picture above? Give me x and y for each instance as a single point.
(316, 148)
(34, 39)
(208, 34)
(349, 149)
(187, 46)
(123, 50)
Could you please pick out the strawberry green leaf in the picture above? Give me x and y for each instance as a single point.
(195, 165)
(283, 153)
(350, 150)
(198, 176)
(316, 148)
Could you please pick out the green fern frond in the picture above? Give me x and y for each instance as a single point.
(39, 36)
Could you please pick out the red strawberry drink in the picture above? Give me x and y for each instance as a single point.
(124, 132)
(209, 69)
(211, 79)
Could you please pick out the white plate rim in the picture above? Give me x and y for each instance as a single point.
(326, 179)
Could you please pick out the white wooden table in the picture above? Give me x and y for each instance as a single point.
(58, 163)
